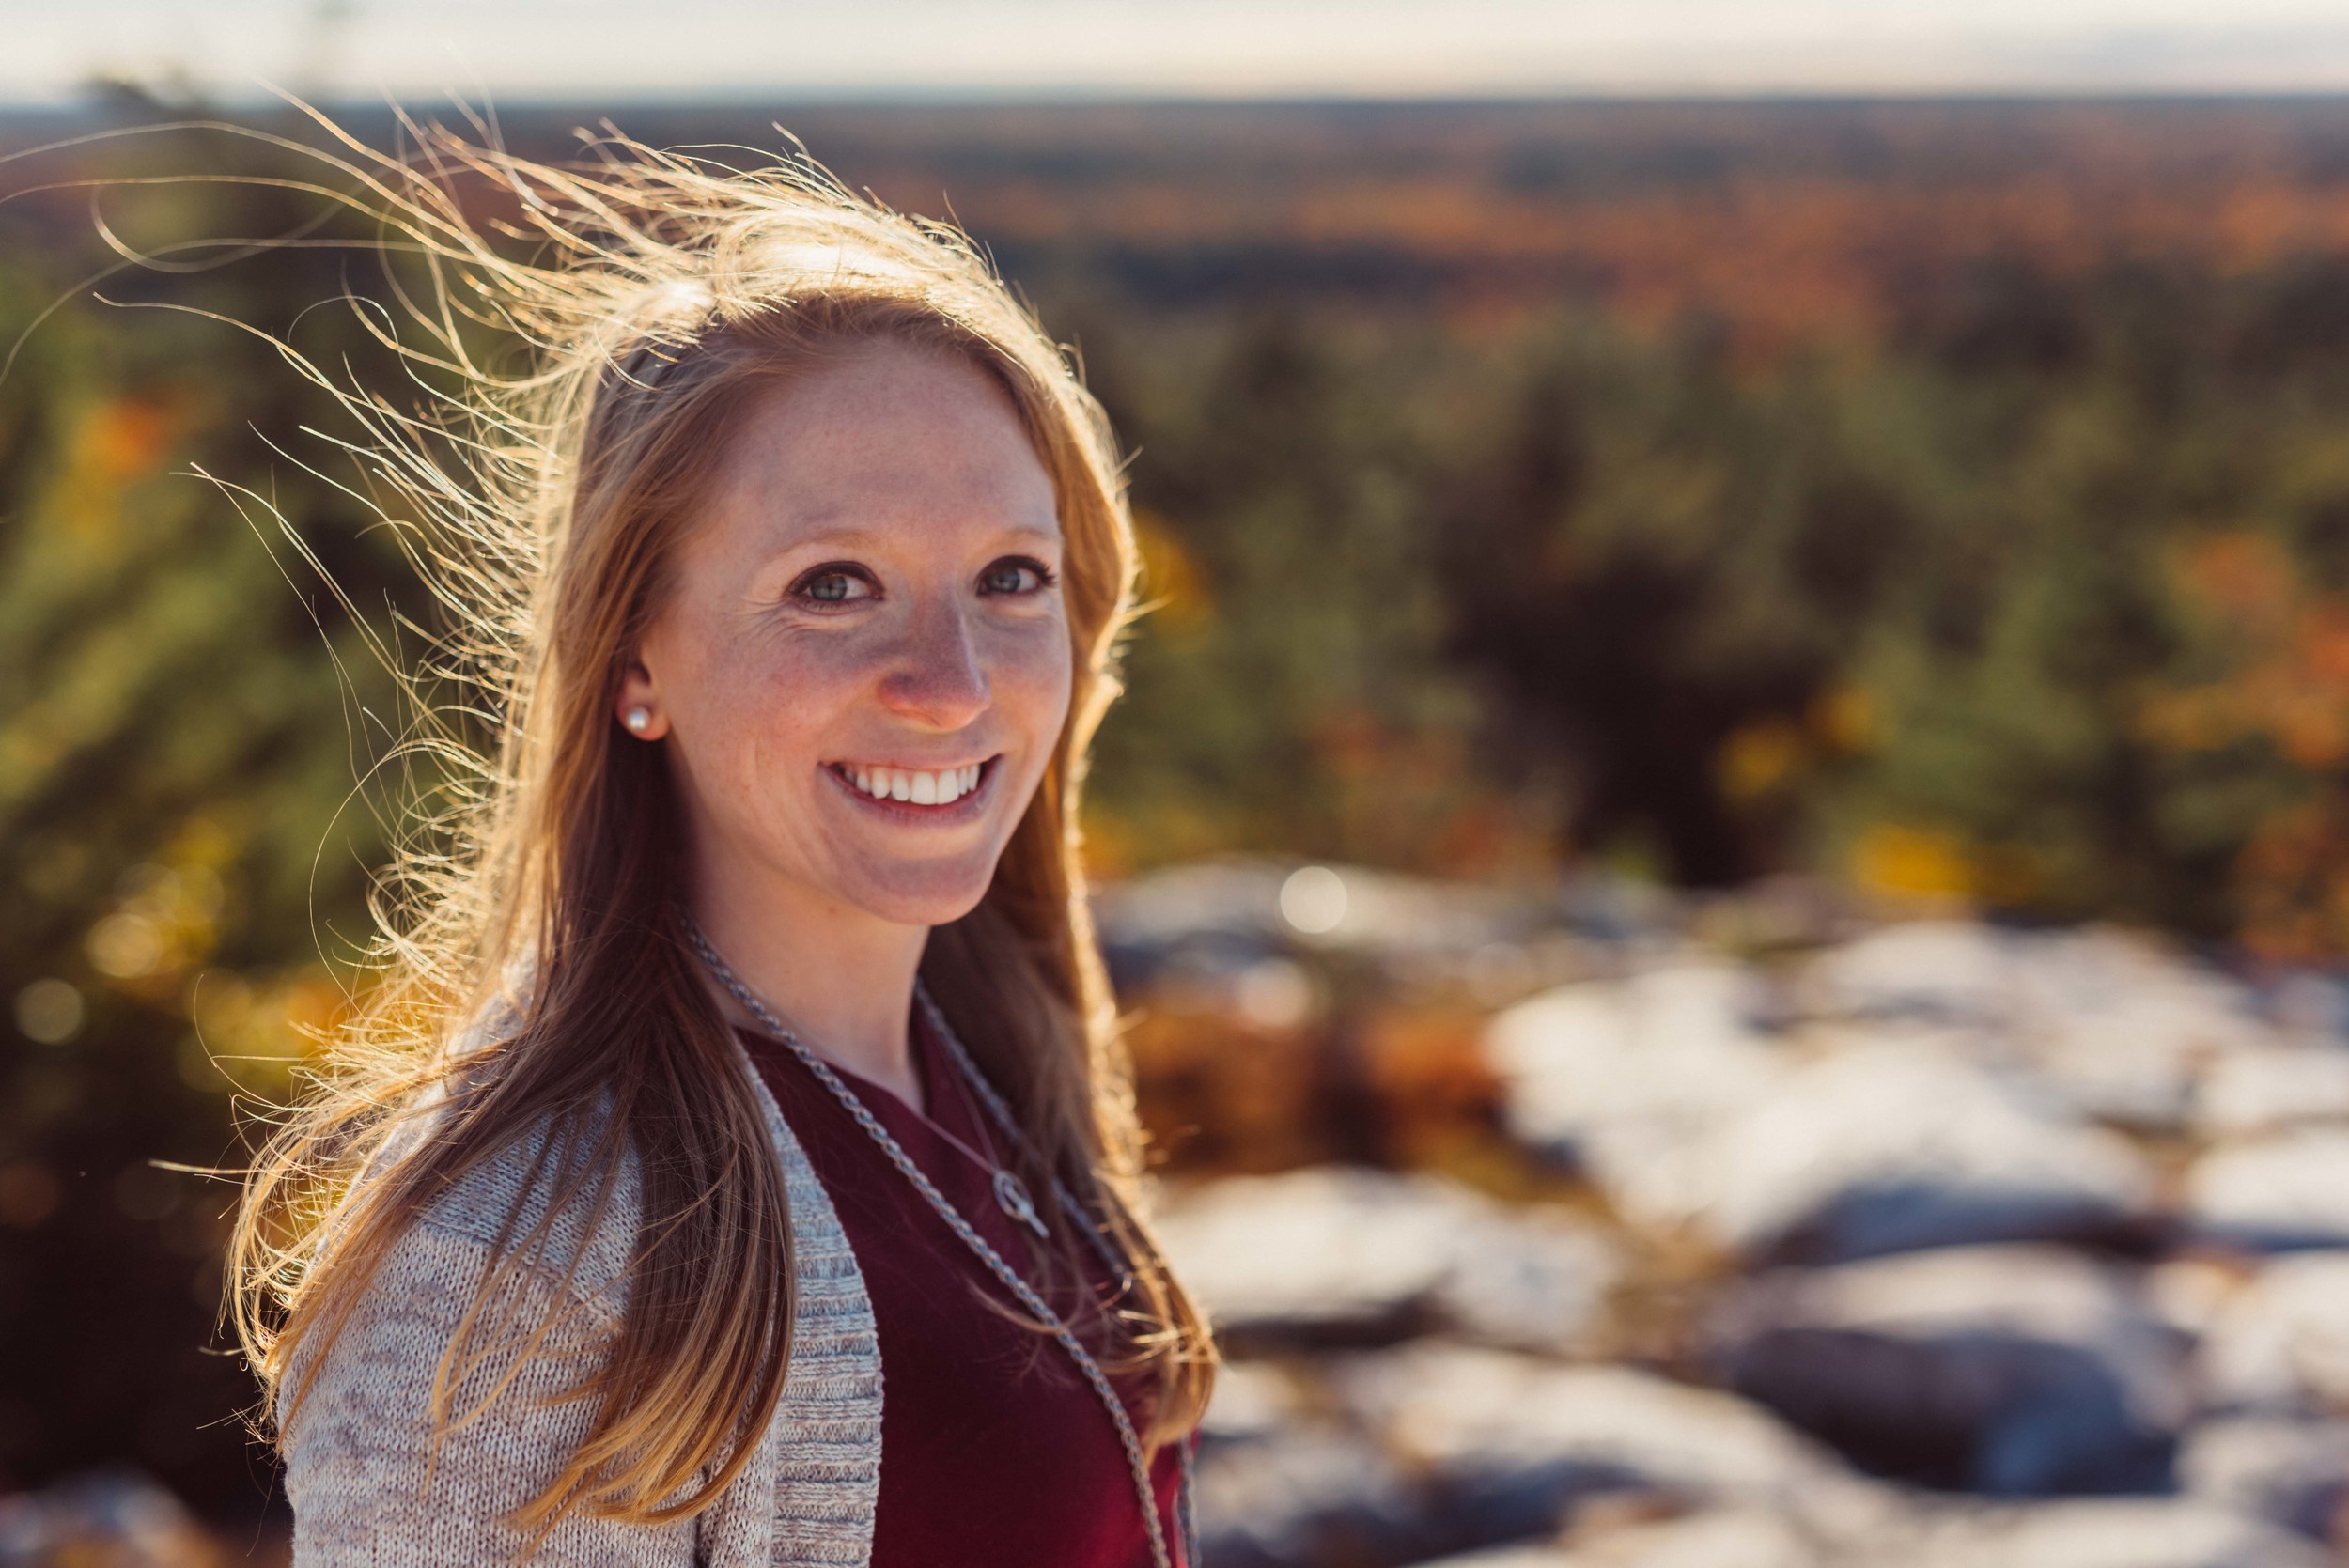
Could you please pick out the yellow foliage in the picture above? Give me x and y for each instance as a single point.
(1917, 862)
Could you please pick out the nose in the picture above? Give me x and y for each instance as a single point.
(936, 680)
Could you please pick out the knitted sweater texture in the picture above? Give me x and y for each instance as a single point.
(368, 1488)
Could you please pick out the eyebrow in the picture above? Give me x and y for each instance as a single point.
(854, 536)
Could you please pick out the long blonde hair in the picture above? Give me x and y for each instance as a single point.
(662, 287)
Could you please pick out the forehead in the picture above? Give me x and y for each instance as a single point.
(884, 440)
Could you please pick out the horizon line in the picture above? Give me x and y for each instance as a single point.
(100, 95)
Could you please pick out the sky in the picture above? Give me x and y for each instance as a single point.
(521, 50)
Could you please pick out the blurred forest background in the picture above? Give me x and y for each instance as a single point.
(1943, 501)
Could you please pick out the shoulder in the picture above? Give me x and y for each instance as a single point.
(532, 1217)
(421, 1412)
(547, 1196)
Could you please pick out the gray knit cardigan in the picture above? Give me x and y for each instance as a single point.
(356, 1450)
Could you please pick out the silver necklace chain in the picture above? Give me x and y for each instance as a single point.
(1011, 1193)
(998, 1111)
(1010, 1277)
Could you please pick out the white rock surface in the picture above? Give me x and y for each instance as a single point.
(1751, 1537)
(1899, 1144)
(2116, 1532)
(1941, 970)
(1620, 1078)
(1685, 1110)
(2289, 1472)
(2122, 1028)
(2270, 1087)
(1507, 1557)
(2286, 1190)
(1745, 1537)
(1252, 1399)
(1511, 1443)
(2281, 1342)
(1309, 1493)
(2005, 1371)
(1529, 1279)
(2132, 1533)
(1341, 1254)
(2114, 1023)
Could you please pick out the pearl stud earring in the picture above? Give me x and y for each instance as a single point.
(638, 720)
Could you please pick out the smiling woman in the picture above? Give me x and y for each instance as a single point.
(860, 669)
(751, 1054)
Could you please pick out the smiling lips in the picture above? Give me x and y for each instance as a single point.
(942, 787)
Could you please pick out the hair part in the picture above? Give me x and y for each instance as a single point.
(529, 980)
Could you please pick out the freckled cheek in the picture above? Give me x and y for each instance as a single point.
(782, 712)
(1032, 675)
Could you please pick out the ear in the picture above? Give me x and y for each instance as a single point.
(638, 705)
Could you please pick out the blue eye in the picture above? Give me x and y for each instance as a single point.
(1017, 574)
(833, 582)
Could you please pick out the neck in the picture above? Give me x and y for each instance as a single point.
(841, 978)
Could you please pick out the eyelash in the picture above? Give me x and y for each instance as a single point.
(1045, 577)
(799, 591)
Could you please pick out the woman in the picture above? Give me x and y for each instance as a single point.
(733, 1164)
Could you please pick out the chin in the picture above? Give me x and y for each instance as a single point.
(919, 896)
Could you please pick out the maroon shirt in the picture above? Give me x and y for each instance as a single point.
(994, 1448)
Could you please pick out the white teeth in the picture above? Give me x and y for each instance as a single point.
(921, 789)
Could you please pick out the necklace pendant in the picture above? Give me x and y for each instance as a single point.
(1011, 1196)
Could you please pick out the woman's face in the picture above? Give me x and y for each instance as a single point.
(863, 665)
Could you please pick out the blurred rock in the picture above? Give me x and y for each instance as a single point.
(2100, 1533)
(1899, 1144)
(1939, 971)
(1341, 1255)
(2189, 1291)
(1328, 1255)
(2121, 1027)
(2281, 1342)
(1304, 1495)
(2006, 1371)
(1532, 1280)
(1252, 1399)
(2293, 1473)
(2286, 1190)
(1512, 1445)
(1280, 1487)
(2134, 1532)
(2269, 1087)
(1622, 1078)
(1669, 1092)
(1507, 1557)
(111, 1518)
(1745, 1537)
(1749, 1537)
(2310, 1004)
(2114, 1024)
